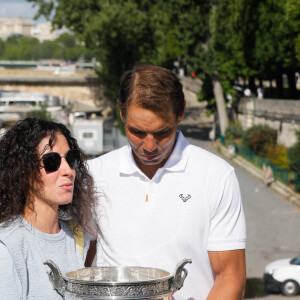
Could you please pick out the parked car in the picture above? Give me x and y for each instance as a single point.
(283, 276)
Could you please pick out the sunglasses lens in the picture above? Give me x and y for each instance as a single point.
(73, 158)
(51, 161)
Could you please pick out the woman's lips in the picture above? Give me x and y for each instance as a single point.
(67, 186)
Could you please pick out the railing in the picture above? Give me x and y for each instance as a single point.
(285, 176)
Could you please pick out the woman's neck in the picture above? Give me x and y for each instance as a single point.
(43, 218)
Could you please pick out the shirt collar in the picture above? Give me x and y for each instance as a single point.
(176, 162)
(179, 156)
(127, 164)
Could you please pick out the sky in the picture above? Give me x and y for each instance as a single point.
(17, 9)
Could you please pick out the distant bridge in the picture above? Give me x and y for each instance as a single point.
(80, 87)
(49, 80)
(20, 64)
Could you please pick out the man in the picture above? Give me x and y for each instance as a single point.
(163, 200)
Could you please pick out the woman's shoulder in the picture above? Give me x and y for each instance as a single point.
(10, 230)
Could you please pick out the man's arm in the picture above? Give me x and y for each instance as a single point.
(230, 271)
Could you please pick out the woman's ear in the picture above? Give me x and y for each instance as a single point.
(122, 117)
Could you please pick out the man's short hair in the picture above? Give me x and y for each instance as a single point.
(151, 87)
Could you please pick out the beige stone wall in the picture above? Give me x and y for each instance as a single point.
(281, 115)
(83, 94)
(9, 26)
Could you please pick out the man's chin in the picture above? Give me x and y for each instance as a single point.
(151, 162)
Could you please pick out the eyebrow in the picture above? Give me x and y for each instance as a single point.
(47, 146)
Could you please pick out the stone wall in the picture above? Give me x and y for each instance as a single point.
(282, 115)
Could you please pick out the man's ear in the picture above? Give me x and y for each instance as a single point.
(182, 115)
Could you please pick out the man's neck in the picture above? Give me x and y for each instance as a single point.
(149, 170)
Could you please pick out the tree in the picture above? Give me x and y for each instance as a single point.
(259, 138)
(118, 32)
(26, 48)
(257, 39)
(293, 155)
(124, 32)
(2, 48)
(40, 113)
(188, 33)
(195, 36)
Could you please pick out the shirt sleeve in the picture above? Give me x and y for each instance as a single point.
(227, 227)
(10, 285)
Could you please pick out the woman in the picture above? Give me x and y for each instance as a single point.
(43, 176)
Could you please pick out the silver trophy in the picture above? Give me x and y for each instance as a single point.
(118, 283)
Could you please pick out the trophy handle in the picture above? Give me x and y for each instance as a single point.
(180, 274)
(55, 276)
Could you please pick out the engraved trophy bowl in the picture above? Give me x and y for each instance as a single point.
(118, 283)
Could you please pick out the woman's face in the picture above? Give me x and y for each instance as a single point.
(58, 186)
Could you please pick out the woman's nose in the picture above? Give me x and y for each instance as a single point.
(64, 166)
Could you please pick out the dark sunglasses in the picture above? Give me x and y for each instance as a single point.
(52, 160)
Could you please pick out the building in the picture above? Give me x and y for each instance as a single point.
(44, 32)
(15, 26)
(27, 27)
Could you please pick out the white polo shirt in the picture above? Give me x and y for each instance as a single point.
(191, 206)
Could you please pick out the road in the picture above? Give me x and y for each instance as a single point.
(272, 222)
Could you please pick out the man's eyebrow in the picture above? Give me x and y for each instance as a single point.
(147, 131)
(134, 128)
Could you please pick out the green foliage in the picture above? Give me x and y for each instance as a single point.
(292, 17)
(65, 47)
(2, 47)
(256, 39)
(277, 154)
(20, 48)
(119, 121)
(40, 113)
(258, 138)
(234, 131)
(294, 158)
(120, 33)
(231, 38)
(191, 28)
(294, 155)
(207, 94)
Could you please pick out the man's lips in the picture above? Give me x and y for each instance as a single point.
(150, 157)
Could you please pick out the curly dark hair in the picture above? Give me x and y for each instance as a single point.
(20, 171)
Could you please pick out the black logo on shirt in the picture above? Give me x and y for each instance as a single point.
(184, 199)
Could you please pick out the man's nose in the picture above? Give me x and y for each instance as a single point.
(150, 143)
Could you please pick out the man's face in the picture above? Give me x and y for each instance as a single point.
(151, 137)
